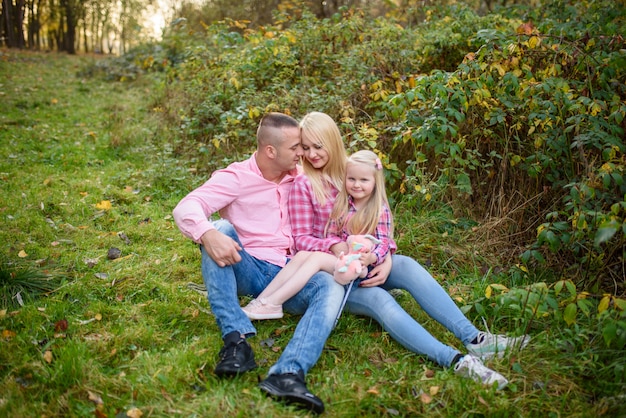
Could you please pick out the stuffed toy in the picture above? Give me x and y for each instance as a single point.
(348, 267)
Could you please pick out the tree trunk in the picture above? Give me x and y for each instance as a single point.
(68, 26)
(7, 23)
(85, 44)
(19, 24)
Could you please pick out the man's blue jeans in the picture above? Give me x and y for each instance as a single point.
(319, 300)
(409, 275)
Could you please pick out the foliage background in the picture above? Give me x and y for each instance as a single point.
(517, 125)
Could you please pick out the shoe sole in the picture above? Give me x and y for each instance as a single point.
(300, 400)
(262, 316)
(230, 372)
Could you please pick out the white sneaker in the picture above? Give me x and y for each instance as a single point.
(471, 366)
(491, 344)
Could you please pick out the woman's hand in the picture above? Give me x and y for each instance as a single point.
(378, 275)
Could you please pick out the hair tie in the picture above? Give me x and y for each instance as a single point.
(379, 165)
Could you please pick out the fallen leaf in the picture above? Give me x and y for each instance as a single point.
(54, 101)
(61, 325)
(22, 254)
(434, 390)
(166, 395)
(104, 205)
(98, 317)
(373, 391)
(482, 401)
(95, 398)
(123, 237)
(47, 181)
(91, 261)
(47, 356)
(268, 342)
(426, 398)
(18, 296)
(134, 413)
(8, 334)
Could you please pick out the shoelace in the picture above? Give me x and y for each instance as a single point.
(230, 350)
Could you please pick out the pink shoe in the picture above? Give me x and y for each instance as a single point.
(261, 309)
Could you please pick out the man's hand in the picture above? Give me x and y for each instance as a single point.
(221, 248)
(378, 275)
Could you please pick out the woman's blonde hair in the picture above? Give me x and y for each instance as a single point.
(321, 129)
(366, 219)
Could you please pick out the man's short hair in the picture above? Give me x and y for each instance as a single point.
(271, 123)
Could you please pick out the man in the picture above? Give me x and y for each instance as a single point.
(247, 247)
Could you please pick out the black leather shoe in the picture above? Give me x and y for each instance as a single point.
(290, 387)
(235, 357)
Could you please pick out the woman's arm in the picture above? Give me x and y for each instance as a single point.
(308, 219)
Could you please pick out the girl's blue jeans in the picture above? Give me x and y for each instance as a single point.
(408, 274)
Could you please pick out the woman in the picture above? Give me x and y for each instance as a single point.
(310, 204)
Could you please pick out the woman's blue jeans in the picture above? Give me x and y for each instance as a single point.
(319, 300)
(408, 274)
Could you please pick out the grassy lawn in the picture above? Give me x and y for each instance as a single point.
(86, 168)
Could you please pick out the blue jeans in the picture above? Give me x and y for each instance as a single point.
(408, 274)
(319, 300)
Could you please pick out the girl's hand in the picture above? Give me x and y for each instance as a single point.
(367, 258)
(378, 275)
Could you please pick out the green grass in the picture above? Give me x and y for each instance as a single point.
(138, 337)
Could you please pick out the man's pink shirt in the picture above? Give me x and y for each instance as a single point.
(257, 208)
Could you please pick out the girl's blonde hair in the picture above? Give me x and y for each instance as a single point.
(366, 219)
(321, 130)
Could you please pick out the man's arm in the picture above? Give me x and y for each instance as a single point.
(193, 211)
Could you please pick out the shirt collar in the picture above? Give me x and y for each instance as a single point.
(292, 174)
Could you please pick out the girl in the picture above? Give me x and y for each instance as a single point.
(311, 202)
(361, 208)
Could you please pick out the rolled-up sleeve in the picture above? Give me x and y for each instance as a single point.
(193, 212)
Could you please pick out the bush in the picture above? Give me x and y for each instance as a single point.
(503, 118)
